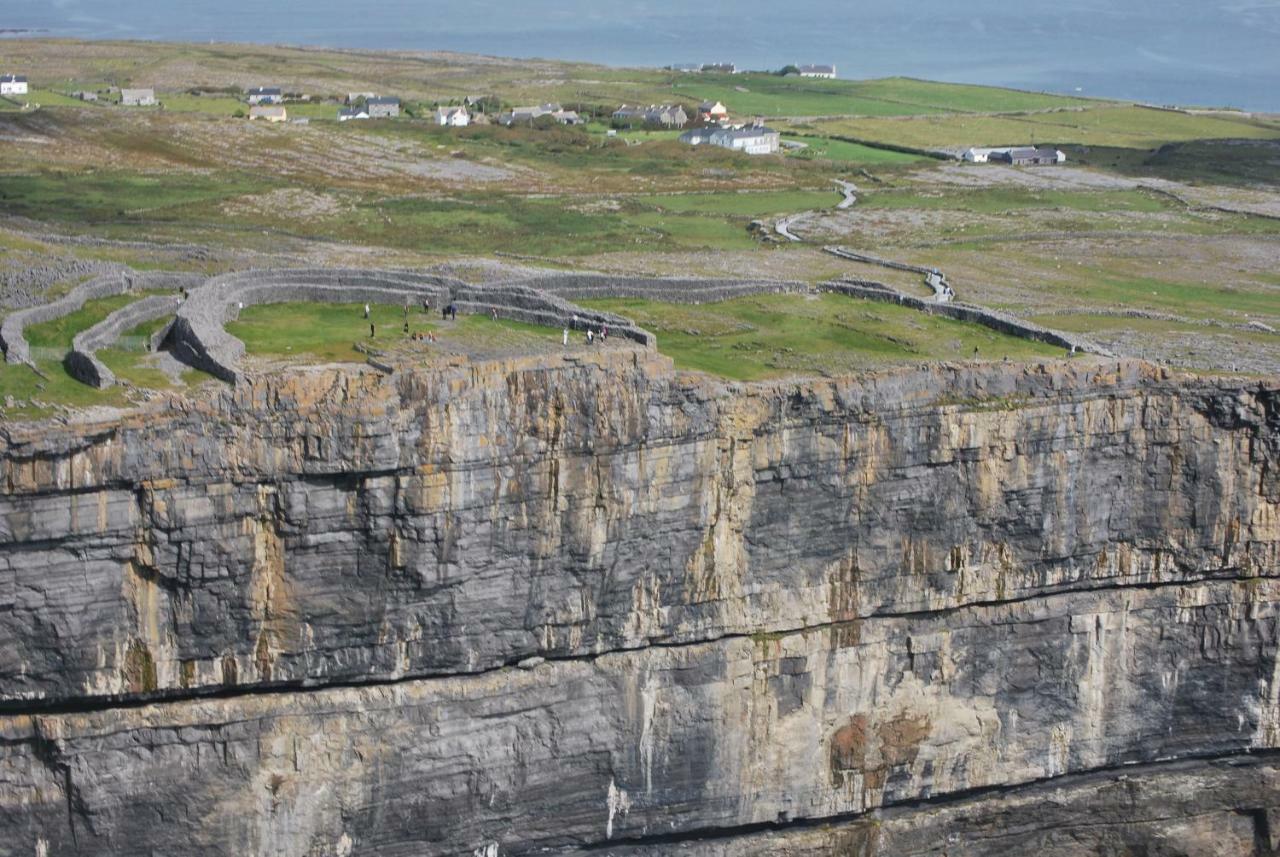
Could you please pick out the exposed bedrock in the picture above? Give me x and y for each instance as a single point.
(814, 605)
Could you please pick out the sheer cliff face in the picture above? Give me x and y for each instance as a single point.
(502, 608)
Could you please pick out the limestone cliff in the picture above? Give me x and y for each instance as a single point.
(596, 605)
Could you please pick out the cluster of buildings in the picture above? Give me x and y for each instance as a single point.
(13, 84)
(526, 115)
(1018, 156)
(666, 115)
(363, 105)
(708, 67)
(818, 70)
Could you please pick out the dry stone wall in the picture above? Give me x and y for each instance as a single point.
(993, 319)
(82, 361)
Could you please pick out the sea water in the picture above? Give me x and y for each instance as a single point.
(1192, 52)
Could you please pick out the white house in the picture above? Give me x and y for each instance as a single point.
(138, 97)
(453, 117)
(976, 156)
(269, 112)
(754, 139)
(713, 111)
(13, 84)
(346, 114)
(827, 71)
(265, 95)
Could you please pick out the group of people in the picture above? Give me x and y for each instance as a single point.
(592, 336)
(447, 312)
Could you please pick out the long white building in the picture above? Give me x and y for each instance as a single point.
(13, 84)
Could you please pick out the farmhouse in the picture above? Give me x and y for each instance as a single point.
(138, 97)
(454, 117)
(720, 68)
(754, 139)
(751, 139)
(826, 71)
(13, 84)
(526, 115)
(1017, 155)
(269, 112)
(345, 114)
(1027, 156)
(265, 95)
(713, 111)
(666, 115)
(382, 107)
(686, 67)
(85, 95)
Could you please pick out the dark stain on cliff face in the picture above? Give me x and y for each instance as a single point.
(139, 670)
(848, 753)
(901, 737)
(875, 751)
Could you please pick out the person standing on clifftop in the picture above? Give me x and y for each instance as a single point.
(372, 331)
(366, 312)
(565, 339)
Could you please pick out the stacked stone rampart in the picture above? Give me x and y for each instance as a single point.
(82, 360)
(580, 286)
(933, 278)
(998, 321)
(535, 306)
(198, 335)
(13, 330)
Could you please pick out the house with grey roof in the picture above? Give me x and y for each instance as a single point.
(382, 107)
(526, 115)
(827, 71)
(751, 139)
(346, 114)
(138, 98)
(265, 95)
(666, 115)
(1026, 156)
(720, 68)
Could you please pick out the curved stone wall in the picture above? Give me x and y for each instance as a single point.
(578, 286)
(12, 331)
(965, 312)
(200, 338)
(82, 360)
(13, 337)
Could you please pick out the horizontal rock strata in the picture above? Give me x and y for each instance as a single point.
(593, 604)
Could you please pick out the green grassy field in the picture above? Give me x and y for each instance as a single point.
(324, 331)
(774, 335)
(57, 387)
(771, 95)
(114, 197)
(1113, 126)
(842, 152)
(1006, 199)
(752, 204)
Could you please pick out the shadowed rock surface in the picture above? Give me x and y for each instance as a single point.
(596, 605)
